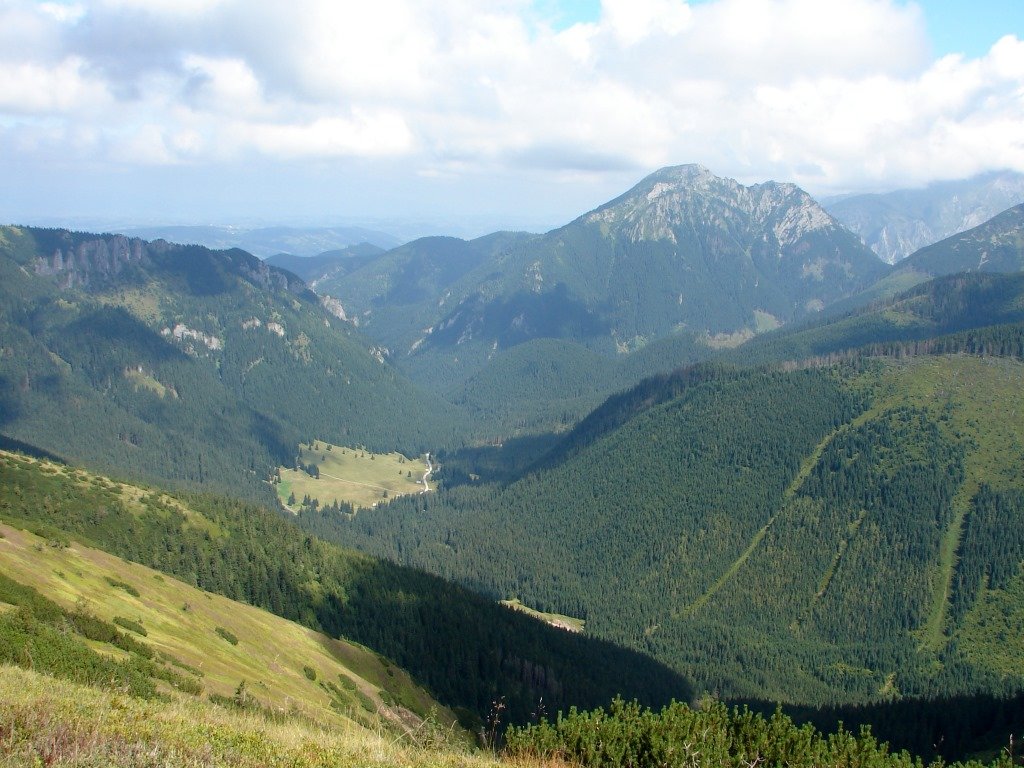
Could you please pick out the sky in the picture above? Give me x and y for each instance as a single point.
(472, 116)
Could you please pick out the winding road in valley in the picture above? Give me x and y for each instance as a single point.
(430, 468)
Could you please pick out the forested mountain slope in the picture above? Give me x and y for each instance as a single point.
(996, 245)
(197, 367)
(467, 650)
(832, 534)
(397, 294)
(557, 383)
(937, 307)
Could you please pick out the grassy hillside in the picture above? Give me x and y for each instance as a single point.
(221, 644)
(569, 623)
(55, 722)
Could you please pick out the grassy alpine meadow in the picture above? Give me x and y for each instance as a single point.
(570, 623)
(231, 649)
(345, 475)
(45, 721)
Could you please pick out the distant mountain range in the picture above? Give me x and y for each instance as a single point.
(326, 265)
(996, 245)
(267, 241)
(522, 331)
(520, 328)
(898, 223)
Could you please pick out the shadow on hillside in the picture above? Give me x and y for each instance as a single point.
(469, 651)
(501, 464)
(18, 446)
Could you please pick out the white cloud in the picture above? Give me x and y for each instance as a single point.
(63, 88)
(221, 85)
(63, 12)
(838, 94)
(631, 21)
(174, 9)
(363, 134)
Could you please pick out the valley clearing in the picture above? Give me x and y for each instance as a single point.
(353, 476)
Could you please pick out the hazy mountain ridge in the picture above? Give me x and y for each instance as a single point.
(996, 245)
(416, 278)
(313, 269)
(267, 241)
(896, 224)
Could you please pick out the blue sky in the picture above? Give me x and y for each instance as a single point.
(954, 26)
(467, 117)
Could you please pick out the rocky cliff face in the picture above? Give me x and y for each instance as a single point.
(84, 263)
(995, 246)
(270, 278)
(89, 261)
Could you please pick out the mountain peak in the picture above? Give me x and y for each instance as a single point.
(691, 197)
(688, 172)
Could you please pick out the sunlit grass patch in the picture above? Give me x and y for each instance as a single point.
(347, 475)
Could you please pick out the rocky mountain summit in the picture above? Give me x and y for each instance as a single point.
(690, 195)
(683, 249)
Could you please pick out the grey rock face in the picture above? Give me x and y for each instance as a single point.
(101, 258)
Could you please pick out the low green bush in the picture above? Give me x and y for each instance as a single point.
(713, 735)
(227, 635)
(130, 625)
(116, 583)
